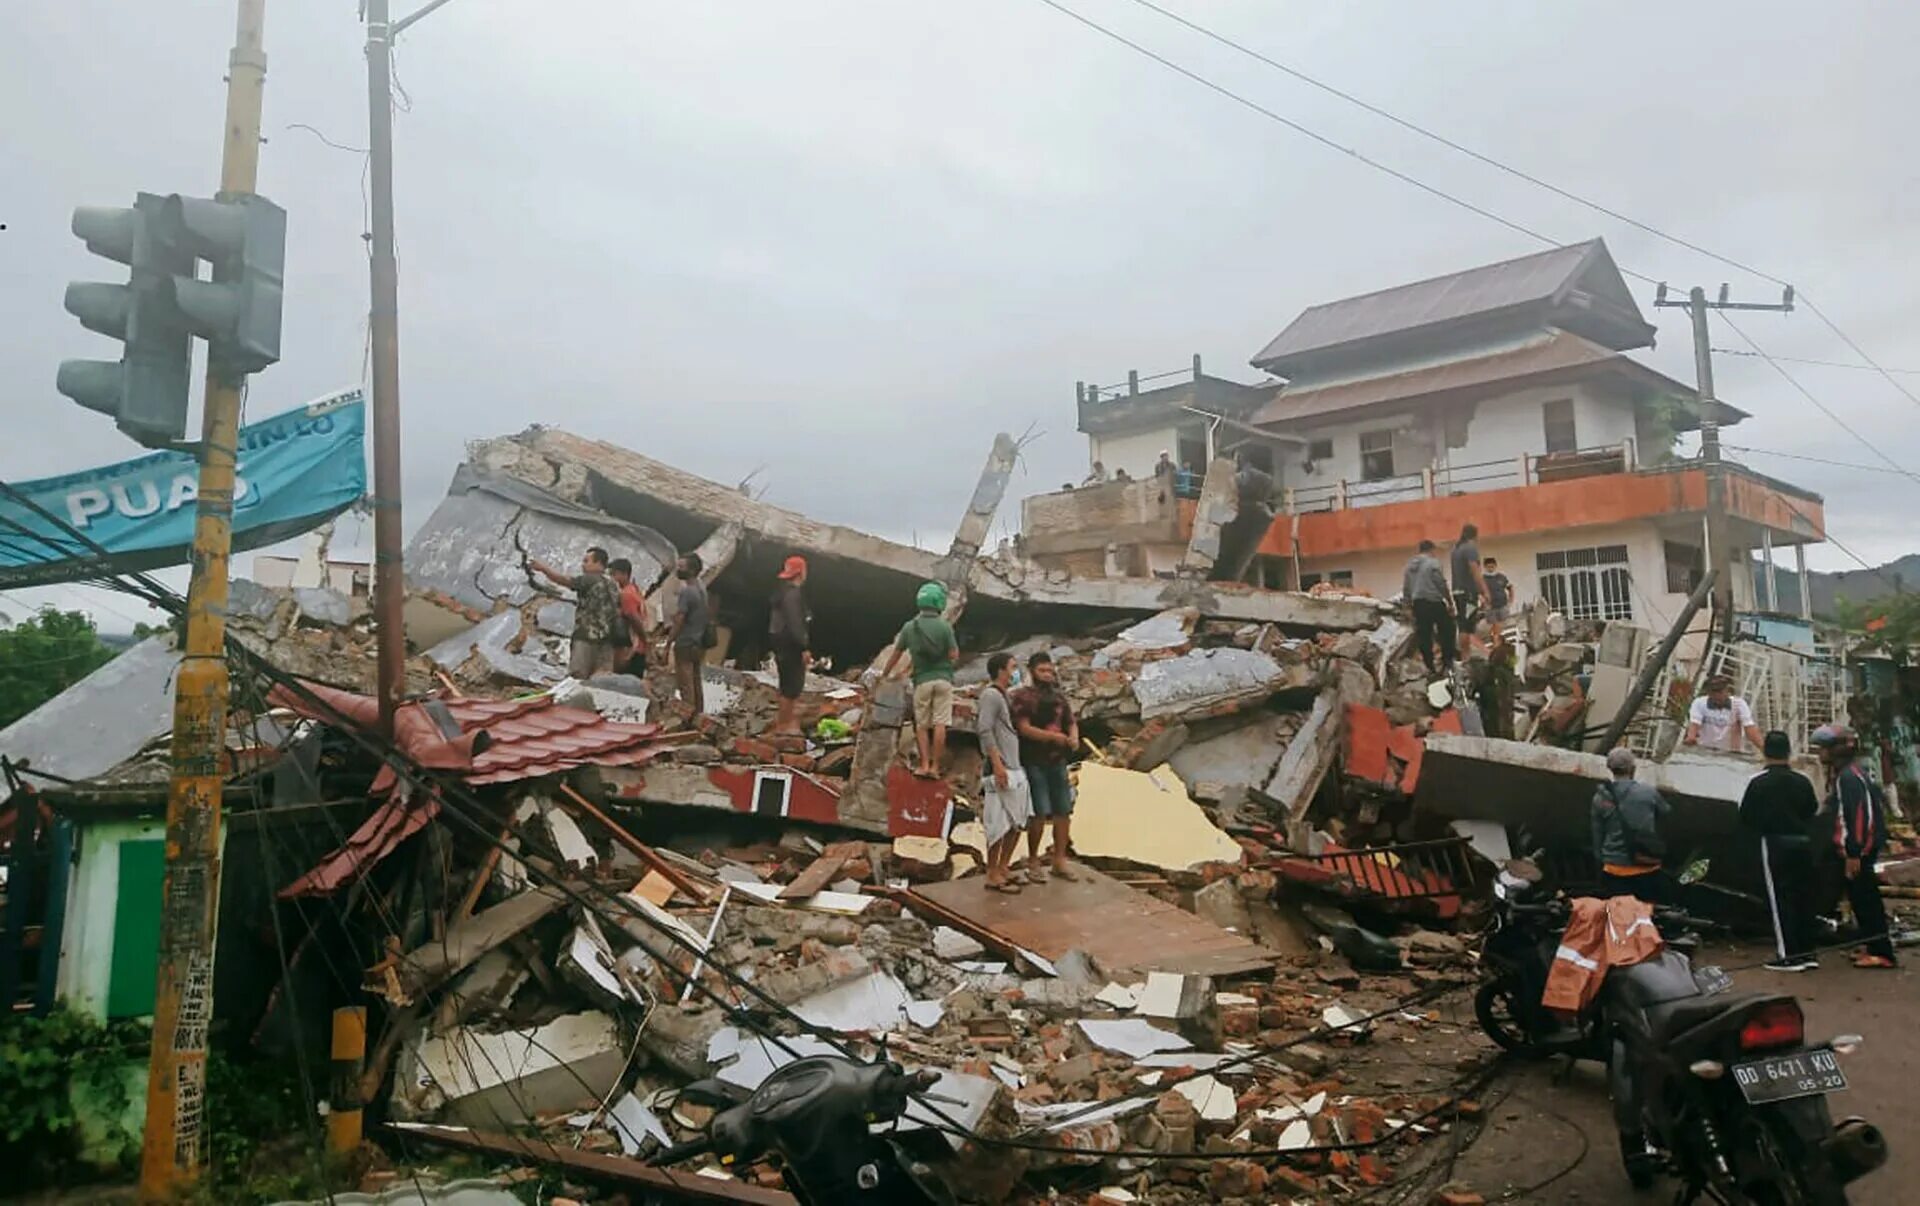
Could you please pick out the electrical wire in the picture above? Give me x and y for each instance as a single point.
(1816, 460)
(1806, 393)
(1869, 363)
(1309, 132)
(1815, 363)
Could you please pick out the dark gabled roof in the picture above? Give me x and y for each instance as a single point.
(1557, 356)
(1544, 282)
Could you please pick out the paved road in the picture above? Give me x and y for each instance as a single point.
(1539, 1128)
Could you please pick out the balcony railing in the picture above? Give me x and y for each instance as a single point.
(1524, 470)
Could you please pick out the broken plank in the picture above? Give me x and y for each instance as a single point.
(426, 967)
(597, 1167)
(645, 853)
(815, 878)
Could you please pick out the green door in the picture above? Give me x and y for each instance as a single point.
(136, 928)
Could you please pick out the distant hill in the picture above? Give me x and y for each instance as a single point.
(1858, 585)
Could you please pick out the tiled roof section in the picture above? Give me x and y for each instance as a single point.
(529, 743)
(526, 738)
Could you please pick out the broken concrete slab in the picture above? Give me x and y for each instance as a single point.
(1221, 903)
(1216, 508)
(1131, 1037)
(431, 964)
(1309, 756)
(474, 547)
(513, 1076)
(1118, 927)
(1211, 682)
(1144, 817)
(102, 720)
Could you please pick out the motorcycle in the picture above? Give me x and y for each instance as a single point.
(1720, 1090)
(816, 1116)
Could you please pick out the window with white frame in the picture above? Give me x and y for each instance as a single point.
(1557, 417)
(1587, 584)
(1376, 455)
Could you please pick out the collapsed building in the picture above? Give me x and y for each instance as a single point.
(564, 900)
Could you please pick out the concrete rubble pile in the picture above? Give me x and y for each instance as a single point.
(1199, 987)
(534, 1012)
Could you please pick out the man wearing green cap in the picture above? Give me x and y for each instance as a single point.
(928, 640)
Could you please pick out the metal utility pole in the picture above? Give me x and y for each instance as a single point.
(175, 1141)
(389, 576)
(389, 579)
(1719, 540)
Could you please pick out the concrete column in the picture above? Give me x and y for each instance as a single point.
(1426, 482)
(1522, 463)
(1340, 495)
(1806, 592)
(1769, 581)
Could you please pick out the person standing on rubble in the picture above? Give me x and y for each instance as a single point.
(1425, 588)
(632, 657)
(1499, 592)
(788, 631)
(928, 640)
(1778, 807)
(1004, 786)
(690, 634)
(1469, 585)
(1859, 834)
(1049, 735)
(1626, 833)
(1721, 720)
(596, 613)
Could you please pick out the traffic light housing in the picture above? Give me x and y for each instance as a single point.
(146, 390)
(165, 303)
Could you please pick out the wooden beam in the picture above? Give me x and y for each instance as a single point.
(645, 853)
(596, 1167)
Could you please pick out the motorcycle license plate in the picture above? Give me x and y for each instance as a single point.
(1711, 980)
(1794, 1074)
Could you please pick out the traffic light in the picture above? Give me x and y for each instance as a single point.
(146, 390)
(165, 303)
(238, 311)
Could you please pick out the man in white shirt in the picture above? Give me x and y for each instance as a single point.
(1721, 720)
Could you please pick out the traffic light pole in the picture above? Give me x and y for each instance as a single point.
(175, 1139)
(389, 580)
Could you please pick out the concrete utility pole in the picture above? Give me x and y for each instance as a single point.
(174, 1146)
(389, 578)
(1719, 550)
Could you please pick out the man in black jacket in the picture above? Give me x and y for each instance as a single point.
(787, 630)
(1778, 808)
(1858, 809)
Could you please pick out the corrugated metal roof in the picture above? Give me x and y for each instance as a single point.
(1556, 353)
(1531, 278)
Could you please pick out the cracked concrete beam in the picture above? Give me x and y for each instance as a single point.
(1218, 506)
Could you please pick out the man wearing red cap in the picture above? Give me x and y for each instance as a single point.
(787, 627)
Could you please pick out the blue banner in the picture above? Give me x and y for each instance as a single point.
(296, 471)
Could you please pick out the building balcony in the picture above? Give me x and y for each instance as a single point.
(1531, 494)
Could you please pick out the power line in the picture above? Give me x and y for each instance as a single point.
(1315, 135)
(1808, 395)
(1481, 157)
(1865, 368)
(1443, 140)
(1817, 460)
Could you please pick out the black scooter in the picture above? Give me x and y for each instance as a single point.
(1719, 1090)
(816, 1116)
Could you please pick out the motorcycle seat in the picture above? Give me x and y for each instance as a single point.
(1671, 1018)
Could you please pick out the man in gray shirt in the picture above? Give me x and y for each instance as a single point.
(1625, 816)
(690, 632)
(1425, 589)
(1005, 803)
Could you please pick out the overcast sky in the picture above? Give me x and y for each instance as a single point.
(850, 241)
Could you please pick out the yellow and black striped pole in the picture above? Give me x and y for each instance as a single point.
(343, 1105)
(174, 1146)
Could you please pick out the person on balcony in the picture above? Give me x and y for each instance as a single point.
(1164, 467)
(1424, 586)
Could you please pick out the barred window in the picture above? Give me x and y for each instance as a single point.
(1587, 584)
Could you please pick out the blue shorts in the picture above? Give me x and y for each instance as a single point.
(1052, 790)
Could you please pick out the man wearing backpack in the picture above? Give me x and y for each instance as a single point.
(1859, 833)
(928, 640)
(1626, 837)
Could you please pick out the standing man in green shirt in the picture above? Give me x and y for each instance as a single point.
(928, 640)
